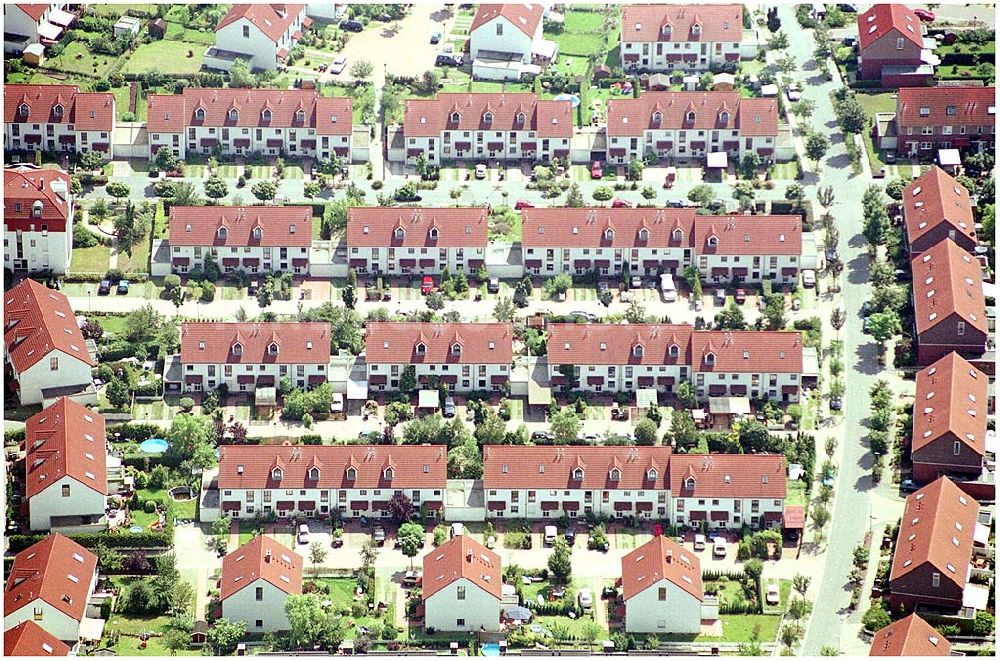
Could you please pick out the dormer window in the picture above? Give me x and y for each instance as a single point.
(519, 118)
(234, 114)
(638, 350)
(689, 482)
(709, 358)
(657, 117)
(388, 474)
(300, 115)
(433, 233)
(455, 118)
(400, 233)
(696, 30)
(678, 234)
(577, 473)
(352, 473)
(57, 110)
(690, 116)
(237, 349)
(314, 473)
(266, 115)
(199, 113)
(272, 348)
(487, 118)
(724, 117)
(615, 474)
(456, 348)
(277, 473)
(675, 350)
(257, 233)
(609, 234)
(421, 349)
(713, 240)
(222, 233)
(667, 29)
(644, 234)
(23, 109)
(651, 474)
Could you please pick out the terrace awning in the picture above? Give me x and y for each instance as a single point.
(231, 506)
(307, 505)
(718, 159)
(48, 31)
(496, 505)
(359, 505)
(644, 506)
(286, 505)
(720, 516)
(60, 17)
(623, 507)
(549, 505)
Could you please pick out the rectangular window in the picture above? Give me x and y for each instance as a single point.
(54, 362)
(65, 490)
(661, 594)
(460, 593)
(259, 594)
(959, 329)
(935, 580)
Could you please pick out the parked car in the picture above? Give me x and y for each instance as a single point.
(866, 308)
(449, 60)
(586, 598)
(435, 37)
(718, 547)
(339, 64)
(720, 296)
(379, 536)
(494, 286)
(636, 282)
(589, 316)
(523, 204)
(449, 407)
(850, 41)
(550, 535)
(596, 170)
(741, 296)
(480, 170)
(303, 533)
(675, 204)
(122, 287)
(924, 15)
(352, 25)
(848, 8)
(773, 596)
(836, 404)
(866, 326)
(413, 577)
(542, 436)
(907, 486)
(104, 288)
(602, 287)
(570, 535)
(809, 278)
(667, 287)
(427, 285)
(699, 542)
(619, 203)
(457, 530)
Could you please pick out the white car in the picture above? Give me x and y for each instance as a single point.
(809, 278)
(773, 596)
(718, 547)
(480, 171)
(339, 64)
(586, 599)
(303, 533)
(699, 542)
(551, 532)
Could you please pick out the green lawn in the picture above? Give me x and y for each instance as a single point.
(91, 260)
(76, 58)
(796, 493)
(113, 325)
(229, 171)
(130, 627)
(139, 260)
(122, 95)
(873, 103)
(738, 629)
(574, 627)
(786, 170)
(119, 10)
(293, 172)
(169, 57)
(341, 588)
(182, 509)
(194, 171)
(177, 32)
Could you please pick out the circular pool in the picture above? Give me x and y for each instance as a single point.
(573, 99)
(154, 445)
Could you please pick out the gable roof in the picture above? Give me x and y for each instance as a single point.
(414, 466)
(728, 475)
(463, 227)
(644, 23)
(658, 559)
(881, 20)
(523, 16)
(748, 235)
(481, 343)
(429, 117)
(261, 558)
(951, 397)
(462, 557)
(747, 351)
(299, 343)
(29, 639)
(614, 344)
(947, 280)
(67, 438)
(273, 20)
(286, 226)
(936, 198)
(25, 184)
(34, 10)
(56, 570)
(37, 321)
(171, 113)
(87, 111)
(586, 227)
(910, 636)
(721, 110)
(936, 529)
(971, 105)
(542, 467)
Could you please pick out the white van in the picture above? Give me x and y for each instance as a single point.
(809, 278)
(550, 535)
(719, 547)
(457, 529)
(667, 287)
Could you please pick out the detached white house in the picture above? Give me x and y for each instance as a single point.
(32, 23)
(256, 579)
(261, 35)
(462, 587)
(506, 40)
(46, 355)
(662, 589)
(66, 468)
(50, 583)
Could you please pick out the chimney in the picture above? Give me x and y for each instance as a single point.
(267, 556)
(670, 556)
(468, 555)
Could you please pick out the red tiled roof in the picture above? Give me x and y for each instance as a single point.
(661, 558)
(271, 19)
(951, 397)
(171, 113)
(86, 111)
(748, 235)
(881, 20)
(261, 557)
(947, 280)
(199, 226)
(523, 16)
(481, 343)
(34, 10)
(25, 184)
(933, 198)
(293, 340)
(910, 636)
(614, 344)
(519, 467)
(29, 639)
(753, 117)
(728, 475)
(414, 466)
(936, 528)
(38, 321)
(586, 227)
(463, 227)
(67, 438)
(462, 557)
(429, 117)
(747, 351)
(644, 23)
(56, 570)
(972, 105)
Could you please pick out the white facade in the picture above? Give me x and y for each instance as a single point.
(57, 137)
(270, 141)
(66, 497)
(688, 143)
(351, 503)
(723, 513)
(685, 56)
(462, 606)
(552, 503)
(458, 377)
(621, 378)
(606, 261)
(252, 259)
(242, 36)
(424, 261)
(663, 608)
(39, 250)
(245, 377)
(260, 604)
(66, 370)
(502, 36)
(50, 618)
(492, 145)
(779, 269)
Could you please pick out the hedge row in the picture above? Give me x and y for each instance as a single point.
(17, 543)
(138, 432)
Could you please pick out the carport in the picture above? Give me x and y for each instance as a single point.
(645, 398)
(724, 410)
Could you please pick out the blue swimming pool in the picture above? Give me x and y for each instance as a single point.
(574, 100)
(154, 445)
(490, 649)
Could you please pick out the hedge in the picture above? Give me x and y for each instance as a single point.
(137, 432)
(17, 543)
(11, 436)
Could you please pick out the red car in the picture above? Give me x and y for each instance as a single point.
(741, 296)
(924, 15)
(427, 286)
(523, 204)
(596, 170)
(619, 203)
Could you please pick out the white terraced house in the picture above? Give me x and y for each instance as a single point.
(613, 358)
(651, 241)
(726, 491)
(689, 38)
(494, 126)
(317, 480)
(236, 122)
(262, 35)
(404, 240)
(462, 357)
(58, 118)
(247, 356)
(37, 220)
